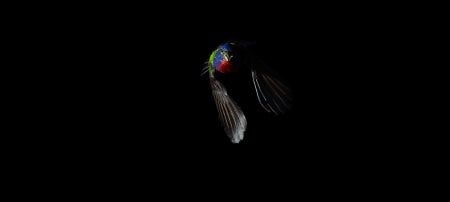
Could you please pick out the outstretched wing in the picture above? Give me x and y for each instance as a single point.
(231, 116)
(273, 95)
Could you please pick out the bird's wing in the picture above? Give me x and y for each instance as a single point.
(231, 116)
(273, 94)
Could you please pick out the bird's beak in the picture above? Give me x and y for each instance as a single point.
(226, 56)
(229, 57)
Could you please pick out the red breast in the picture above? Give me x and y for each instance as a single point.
(226, 67)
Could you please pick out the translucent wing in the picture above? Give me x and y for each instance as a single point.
(231, 116)
(273, 95)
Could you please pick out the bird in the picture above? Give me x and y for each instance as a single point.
(272, 93)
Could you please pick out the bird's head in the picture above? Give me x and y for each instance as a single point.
(222, 59)
(226, 51)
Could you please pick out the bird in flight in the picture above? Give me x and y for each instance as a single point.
(232, 58)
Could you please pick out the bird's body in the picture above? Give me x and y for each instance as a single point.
(272, 93)
(220, 59)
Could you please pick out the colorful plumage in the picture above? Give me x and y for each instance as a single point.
(272, 94)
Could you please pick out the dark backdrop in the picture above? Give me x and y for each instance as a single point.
(138, 81)
(126, 91)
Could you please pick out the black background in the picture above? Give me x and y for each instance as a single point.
(124, 93)
(135, 78)
(123, 98)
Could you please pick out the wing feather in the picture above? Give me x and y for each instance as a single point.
(230, 115)
(273, 95)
